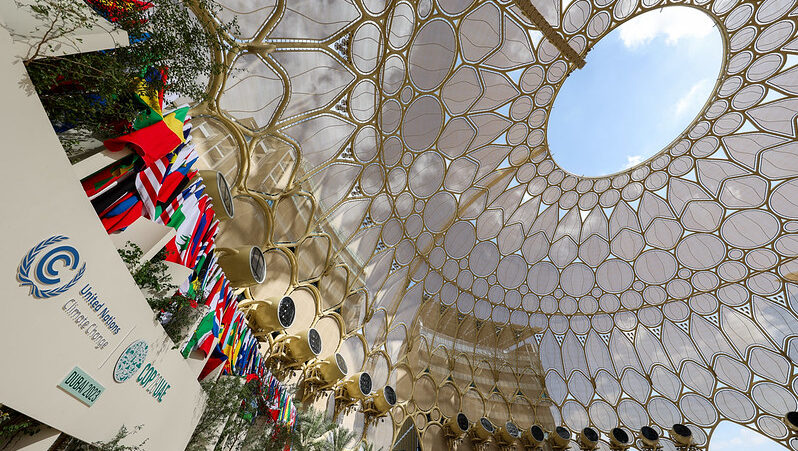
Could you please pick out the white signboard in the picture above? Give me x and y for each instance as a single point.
(81, 350)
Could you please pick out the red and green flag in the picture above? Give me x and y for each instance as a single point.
(204, 329)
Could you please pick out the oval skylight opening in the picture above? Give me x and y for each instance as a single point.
(642, 85)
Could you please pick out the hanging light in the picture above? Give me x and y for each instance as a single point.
(588, 439)
(509, 433)
(301, 347)
(458, 425)
(681, 435)
(273, 315)
(560, 439)
(357, 386)
(619, 440)
(483, 429)
(383, 400)
(218, 190)
(791, 421)
(534, 436)
(244, 266)
(330, 370)
(649, 436)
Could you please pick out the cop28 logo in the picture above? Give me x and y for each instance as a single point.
(39, 273)
(130, 361)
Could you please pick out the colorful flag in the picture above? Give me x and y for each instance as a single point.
(122, 213)
(154, 141)
(115, 10)
(286, 409)
(95, 184)
(217, 358)
(204, 329)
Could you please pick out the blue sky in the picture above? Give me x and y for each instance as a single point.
(642, 85)
(731, 437)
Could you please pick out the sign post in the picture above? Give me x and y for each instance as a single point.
(84, 354)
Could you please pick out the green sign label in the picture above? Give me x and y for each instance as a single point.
(153, 382)
(82, 386)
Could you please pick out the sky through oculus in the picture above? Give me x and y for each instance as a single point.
(643, 84)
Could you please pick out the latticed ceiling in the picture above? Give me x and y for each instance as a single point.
(393, 156)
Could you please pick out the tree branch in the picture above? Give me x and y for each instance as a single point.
(42, 41)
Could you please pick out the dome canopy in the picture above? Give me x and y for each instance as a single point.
(407, 142)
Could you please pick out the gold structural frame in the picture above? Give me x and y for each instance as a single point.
(474, 274)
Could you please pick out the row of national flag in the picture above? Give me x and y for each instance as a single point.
(159, 183)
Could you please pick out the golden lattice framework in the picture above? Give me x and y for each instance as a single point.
(392, 159)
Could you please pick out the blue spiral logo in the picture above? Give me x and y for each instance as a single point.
(46, 281)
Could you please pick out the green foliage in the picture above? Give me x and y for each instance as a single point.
(14, 425)
(368, 447)
(150, 275)
(314, 432)
(234, 418)
(235, 413)
(60, 21)
(223, 401)
(97, 91)
(115, 444)
(173, 310)
(311, 431)
(340, 439)
(263, 434)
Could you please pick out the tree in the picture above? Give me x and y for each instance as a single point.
(171, 47)
(14, 425)
(225, 398)
(173, 310)
(115, 444)
(340, 438)
(310, 431)
(368, 447)
(314, 432)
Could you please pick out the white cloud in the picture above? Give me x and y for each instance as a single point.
(688, 102)
(633, 160)
(741, 438)
(673, 22)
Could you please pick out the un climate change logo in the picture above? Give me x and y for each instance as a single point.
(45, 281)
(130, 361)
